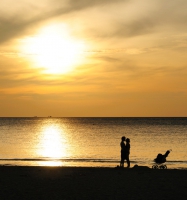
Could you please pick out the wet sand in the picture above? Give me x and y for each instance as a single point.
(91, 183)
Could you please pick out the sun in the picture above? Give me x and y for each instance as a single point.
(53, 50)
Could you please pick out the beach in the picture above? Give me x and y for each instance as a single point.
(23, 182)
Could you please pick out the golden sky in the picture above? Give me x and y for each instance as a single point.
(69, 58)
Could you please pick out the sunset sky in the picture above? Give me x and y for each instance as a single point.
(70, 58)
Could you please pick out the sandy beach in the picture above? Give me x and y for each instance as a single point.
(91, 183)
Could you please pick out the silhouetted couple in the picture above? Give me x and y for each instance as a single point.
(125, 151)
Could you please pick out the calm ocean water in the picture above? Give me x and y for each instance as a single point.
(91, 141)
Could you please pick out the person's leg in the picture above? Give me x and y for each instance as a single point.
(128, 161)
(122, 160)
(121, 163)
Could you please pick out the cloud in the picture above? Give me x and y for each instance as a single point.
(127, 19)
(134, 28)
(137, 18)
(14, 22)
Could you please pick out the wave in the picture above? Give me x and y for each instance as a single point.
(58, 159)
(80, 160)
(174, 164)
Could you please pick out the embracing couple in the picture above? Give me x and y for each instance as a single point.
(125, 151)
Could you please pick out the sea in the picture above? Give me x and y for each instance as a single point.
(91, 141)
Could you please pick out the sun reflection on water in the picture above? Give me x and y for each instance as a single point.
(53, 142)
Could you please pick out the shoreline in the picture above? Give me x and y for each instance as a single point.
(87, 165)
(140, 182)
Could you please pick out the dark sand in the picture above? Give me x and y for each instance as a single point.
(91, 183)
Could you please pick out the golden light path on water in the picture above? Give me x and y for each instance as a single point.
(52, 145)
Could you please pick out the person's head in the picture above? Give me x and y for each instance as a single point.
(123, 138)
(128, 140)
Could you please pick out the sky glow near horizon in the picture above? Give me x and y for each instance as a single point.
(93, 58)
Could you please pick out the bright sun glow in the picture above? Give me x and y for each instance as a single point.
(53, 49)
(52, 143)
